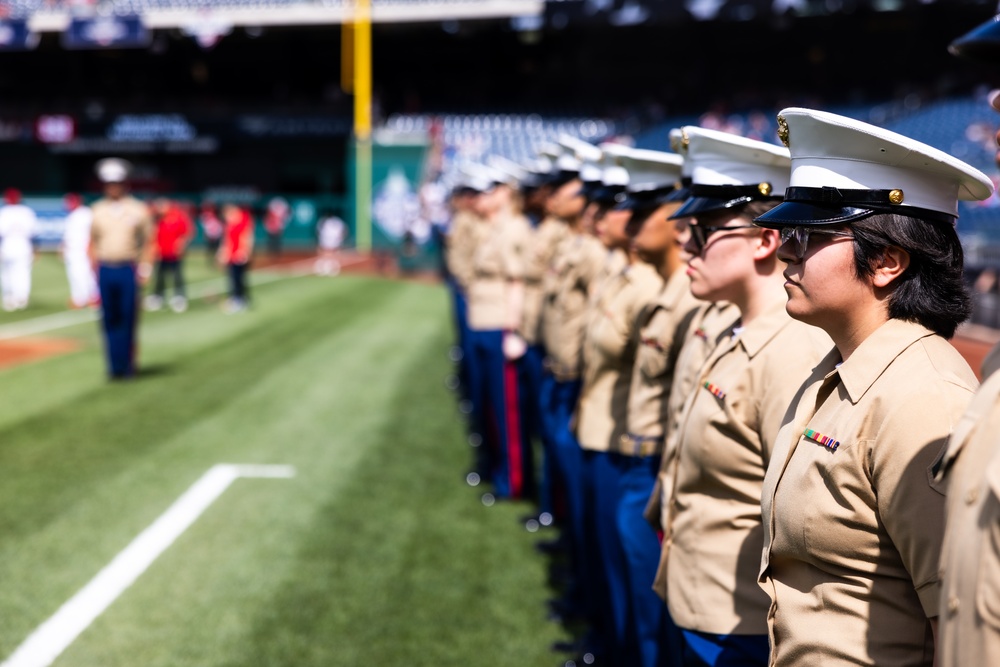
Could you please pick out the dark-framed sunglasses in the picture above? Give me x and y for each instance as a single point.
(700, 233)
(798, 236)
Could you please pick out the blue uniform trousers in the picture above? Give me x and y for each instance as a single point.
(460, 314)
(496, 410)
(119, 310)
(704, 649)
(568, 469)
(531, 365)
(654, 640)
(606, 558)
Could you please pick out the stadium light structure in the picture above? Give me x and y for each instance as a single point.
(360, 84)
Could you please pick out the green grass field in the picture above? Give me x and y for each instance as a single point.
(376, 553)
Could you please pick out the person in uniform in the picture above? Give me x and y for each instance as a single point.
(704, 331)
(609, 349)
(564, 202)
(75, 241)
(17, 224)
(712, 537)
(495, 309)
(570, 279)
(853, 519)
(969, 607)
(655, 191)
(120, 247)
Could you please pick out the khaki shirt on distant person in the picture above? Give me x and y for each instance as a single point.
(461, 246)
(730, 421)
(853, 521)
(498, 261)
(969, 630)
(578, 262)
(120, 230)
(609, 347)
(663, 326)
(545, 240)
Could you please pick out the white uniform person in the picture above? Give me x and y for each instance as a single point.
(76, 240)
(17, 224)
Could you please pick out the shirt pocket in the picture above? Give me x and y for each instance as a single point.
(988, 583)
(651, 358)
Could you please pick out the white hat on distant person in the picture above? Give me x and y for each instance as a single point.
(845, 170)
(728, 170)
(654, 178)
(113, 170)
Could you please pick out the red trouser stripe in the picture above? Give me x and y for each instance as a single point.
(514, 444)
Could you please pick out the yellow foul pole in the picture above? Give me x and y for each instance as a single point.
(362, 87)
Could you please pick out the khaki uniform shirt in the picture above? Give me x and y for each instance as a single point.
(970, 562)
(545, 239)
(710, 324)
(120, 229)
(578, 261)
(461, 247)
(730, 422)
(853, 521)
(662, 328)
(609, 355)
(499, 260)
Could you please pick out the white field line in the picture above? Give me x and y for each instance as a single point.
(202, 290)
(53, 636)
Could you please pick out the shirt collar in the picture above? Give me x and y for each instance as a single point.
(875, 354)
(763, 328)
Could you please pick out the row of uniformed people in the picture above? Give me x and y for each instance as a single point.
(846, 553)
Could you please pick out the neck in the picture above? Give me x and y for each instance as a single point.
(759, 295)
(671, 262)
(848, 333)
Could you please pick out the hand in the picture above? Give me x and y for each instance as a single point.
(514, 346)
(144, 271)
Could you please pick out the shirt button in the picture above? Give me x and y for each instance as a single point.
(972, 496)
(952, 604)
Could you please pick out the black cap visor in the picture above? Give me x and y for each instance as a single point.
(609, 195)
(981, 44)
(800, 213)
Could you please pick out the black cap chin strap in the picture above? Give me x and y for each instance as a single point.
(884, 201)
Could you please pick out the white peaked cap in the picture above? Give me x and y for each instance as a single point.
(512, 172)
(652, 170)
(613, 172)
(113, 170)
(831, 151)
(721, 158)
(679, 145)
(550, 150)
(477, 177)
(581, 150)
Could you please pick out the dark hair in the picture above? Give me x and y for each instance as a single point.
(931, 291)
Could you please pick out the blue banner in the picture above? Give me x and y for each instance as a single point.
(106, 32)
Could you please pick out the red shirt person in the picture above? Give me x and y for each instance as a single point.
(174, 230)
(235, 253)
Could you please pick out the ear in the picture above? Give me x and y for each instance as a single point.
(767, 244)
(891, 265)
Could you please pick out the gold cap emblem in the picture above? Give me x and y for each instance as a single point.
(765, 188)
(783, 130)
(896, 197)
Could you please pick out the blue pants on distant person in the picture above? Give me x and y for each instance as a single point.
(606, 558)
(704, 649)
(531, 366)
(460, 311)
(119, 312)
(655, 640)
(497, 413)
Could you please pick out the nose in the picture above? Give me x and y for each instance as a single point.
(786, 252)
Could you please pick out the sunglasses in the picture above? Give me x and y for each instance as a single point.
(700, 233)
(799, 237)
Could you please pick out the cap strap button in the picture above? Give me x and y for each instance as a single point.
(896, 197)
